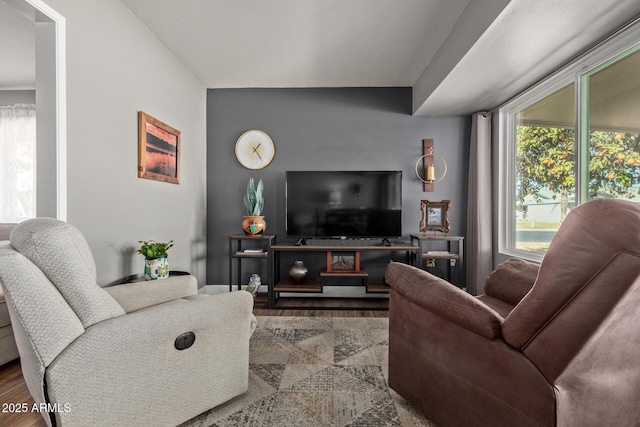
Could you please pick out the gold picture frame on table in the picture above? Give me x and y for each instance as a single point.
(435, 216)
(158, 150)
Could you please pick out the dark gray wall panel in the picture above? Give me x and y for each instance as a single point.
(323, 129)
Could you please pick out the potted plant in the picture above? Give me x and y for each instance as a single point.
(156, 265)
(253, 222)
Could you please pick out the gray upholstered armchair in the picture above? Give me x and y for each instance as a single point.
(8, 349)
(101, 357)
(554, 345)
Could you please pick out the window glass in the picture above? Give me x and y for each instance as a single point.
(544, 169)
(612, 96)
(573, 137)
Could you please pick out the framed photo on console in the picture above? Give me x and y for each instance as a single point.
(435, 216)
(343, 262)
(158, 150)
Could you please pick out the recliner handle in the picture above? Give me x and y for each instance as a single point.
(184, 341)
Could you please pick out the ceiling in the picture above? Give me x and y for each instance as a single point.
(459, 56)
(302, 43)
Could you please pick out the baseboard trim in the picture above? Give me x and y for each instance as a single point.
(329, 292)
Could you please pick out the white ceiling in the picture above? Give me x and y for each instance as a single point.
(459, 55)
(302, 43)
(528, 41)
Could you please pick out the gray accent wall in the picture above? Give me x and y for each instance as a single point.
(323, 129)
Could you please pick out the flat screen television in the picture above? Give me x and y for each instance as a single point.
(343, 204)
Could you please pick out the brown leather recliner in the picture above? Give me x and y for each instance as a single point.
(565, 352)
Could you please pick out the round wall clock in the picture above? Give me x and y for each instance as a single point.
(255, 149)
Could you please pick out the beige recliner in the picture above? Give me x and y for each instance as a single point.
(127, 355)
(554, 346)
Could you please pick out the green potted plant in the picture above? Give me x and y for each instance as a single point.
(156, 264)
(253, 222)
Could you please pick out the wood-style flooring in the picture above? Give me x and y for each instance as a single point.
(13, 389)
(326, 307)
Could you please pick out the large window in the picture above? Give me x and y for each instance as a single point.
(611, 119)
(571, 139)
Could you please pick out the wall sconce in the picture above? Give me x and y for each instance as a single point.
(429, 157)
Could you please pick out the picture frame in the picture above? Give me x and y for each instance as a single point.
(343, 262)
(435, 216)
(158, 150)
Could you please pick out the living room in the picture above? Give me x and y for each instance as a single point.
(115, 66)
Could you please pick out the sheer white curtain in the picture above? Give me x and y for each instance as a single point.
(479, 222)
(17, 162)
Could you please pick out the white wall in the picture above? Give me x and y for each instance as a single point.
(10, 97)
(46, 120)
(115, 68)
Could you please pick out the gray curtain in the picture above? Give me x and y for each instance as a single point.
(479, 223)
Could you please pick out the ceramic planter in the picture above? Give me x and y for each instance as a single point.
(156, 268)
(253, 224)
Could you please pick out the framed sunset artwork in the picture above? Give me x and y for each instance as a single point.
(158, 150)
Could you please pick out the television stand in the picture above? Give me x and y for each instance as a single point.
(333, 247)
(344, 242)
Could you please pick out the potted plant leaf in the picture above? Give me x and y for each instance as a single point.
(253, 222)
(156, 264)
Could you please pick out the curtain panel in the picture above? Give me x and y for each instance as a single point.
(479, 222)
(17, 162)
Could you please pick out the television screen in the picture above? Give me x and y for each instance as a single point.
(350, 204)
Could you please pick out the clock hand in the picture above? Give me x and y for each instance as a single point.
(255, 150)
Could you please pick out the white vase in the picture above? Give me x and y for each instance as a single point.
(156, 268)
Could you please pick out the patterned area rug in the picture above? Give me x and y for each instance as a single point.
(317, 371)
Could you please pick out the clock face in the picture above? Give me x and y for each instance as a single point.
(255, 149)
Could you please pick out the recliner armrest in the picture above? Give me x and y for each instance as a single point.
(512, 280)
(444, 299)
(139, 295)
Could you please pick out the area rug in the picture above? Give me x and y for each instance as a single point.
(316, 371)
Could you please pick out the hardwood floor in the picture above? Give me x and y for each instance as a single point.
(13, 389)
(15, 397)
(325, 307)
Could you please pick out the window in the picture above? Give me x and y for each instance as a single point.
(573, 138)
(17, 162)
(611, 97)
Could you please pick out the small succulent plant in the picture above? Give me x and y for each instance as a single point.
(153, 249)
(254, 199)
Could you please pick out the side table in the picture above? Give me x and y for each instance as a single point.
(453, 256)
(140, 278)
(258, 247)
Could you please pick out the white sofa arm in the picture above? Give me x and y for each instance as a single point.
(139, 295)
